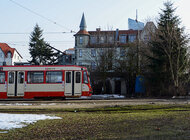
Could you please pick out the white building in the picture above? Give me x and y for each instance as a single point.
(8, 55)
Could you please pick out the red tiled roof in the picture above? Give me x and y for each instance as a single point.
(6, 48)
(71, 49)
(82, 32)
(113, 32)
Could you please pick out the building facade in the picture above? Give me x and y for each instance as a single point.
(69, 57)
(8, 55)
(90, 45)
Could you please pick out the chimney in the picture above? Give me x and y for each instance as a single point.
(116, 35)
(98, 29)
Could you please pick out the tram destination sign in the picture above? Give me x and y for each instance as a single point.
(49, 68)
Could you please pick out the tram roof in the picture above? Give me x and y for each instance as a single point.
(41, 67)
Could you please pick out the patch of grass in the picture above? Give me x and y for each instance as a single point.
(127, 122)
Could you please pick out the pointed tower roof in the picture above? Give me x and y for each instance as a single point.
(83, 27)
(83, 23)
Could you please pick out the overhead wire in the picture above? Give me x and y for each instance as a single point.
(9, 33)
(25, 43)
(46, 18)
(46, 41)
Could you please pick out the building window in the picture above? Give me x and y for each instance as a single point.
(102, 39)
(122, 52)
(35, 77)
(80, 40)
(67, 58)
(93, 65)
(78, 77)
(132, 38)
(8, 55)
(93, 52)
(147, 38)
(93, 39)
(80, 53)
(101, 52)
(2, 77)
(110, 39)
(54, 77)
(80, 63)
(122, 38)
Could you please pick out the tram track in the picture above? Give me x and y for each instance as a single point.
(78, 103)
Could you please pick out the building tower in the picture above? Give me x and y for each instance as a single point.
(81, 41)
(83, 23)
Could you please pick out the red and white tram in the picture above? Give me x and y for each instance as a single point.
(44, 81)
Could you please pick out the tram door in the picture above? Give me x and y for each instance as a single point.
(73, 83)
(78, 83)
(11, 84)
(15, 83)
(20, 83)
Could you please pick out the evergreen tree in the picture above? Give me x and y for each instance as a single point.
(169, 60)
(40, 52)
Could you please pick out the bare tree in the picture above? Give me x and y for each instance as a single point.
(105, 64)
(169, 59)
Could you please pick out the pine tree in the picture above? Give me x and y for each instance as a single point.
(169, 61)
(40, 53)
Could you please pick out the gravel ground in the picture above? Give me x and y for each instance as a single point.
(87, 103)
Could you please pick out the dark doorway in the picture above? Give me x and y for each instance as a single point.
(117, 87)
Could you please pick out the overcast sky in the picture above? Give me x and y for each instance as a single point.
(18, 18)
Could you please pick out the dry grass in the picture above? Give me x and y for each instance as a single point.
(141, 122)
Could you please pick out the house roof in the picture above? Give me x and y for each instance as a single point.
(82, 32)
(113, 32)
(6, 48)
(72, 49)
(150, 26)
(83, 23)
(83, 27)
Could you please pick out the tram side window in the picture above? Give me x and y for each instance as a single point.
(54, 77)
(35, 77)
(78, 75)
(85, 77)
(11, 77)
(2, 77)
(21, 77)
(68, 77)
